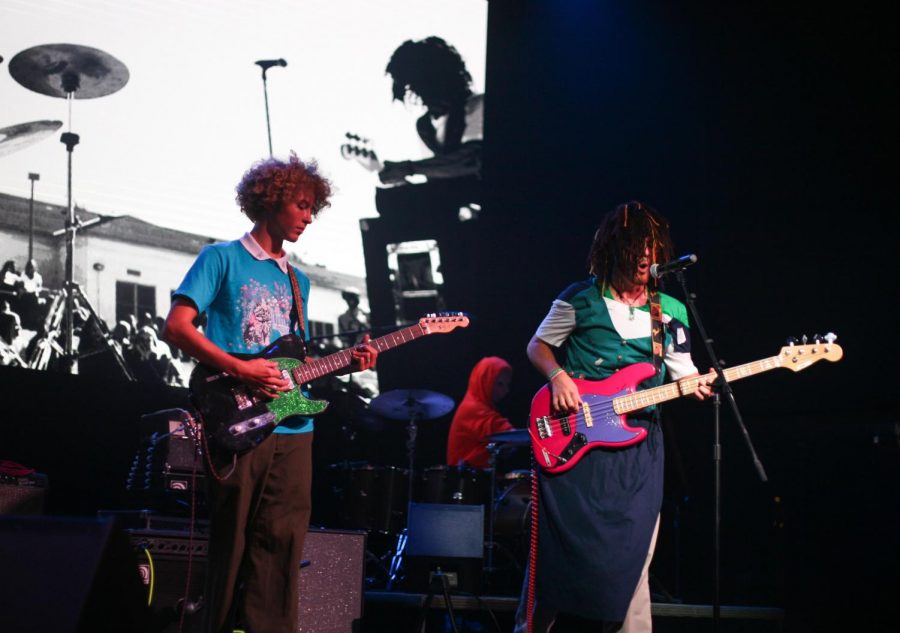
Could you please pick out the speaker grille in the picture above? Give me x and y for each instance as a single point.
(331, 587)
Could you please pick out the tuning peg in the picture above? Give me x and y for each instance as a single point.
(791, 340)
(831, 337)
(803, 339)
(816, 338)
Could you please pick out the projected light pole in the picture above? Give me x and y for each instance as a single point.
(32, 177)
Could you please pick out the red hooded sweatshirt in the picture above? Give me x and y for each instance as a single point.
(476, 417)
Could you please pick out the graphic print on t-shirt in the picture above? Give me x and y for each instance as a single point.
(264, 316)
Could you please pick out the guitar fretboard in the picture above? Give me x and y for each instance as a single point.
(685, 386)
(342, 359)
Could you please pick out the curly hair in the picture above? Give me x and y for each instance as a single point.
(429, 67)
(620, 241)
(271, 181)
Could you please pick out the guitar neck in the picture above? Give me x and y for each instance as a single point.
(341, 360)
(687, 386)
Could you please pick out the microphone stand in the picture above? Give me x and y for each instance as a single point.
(265, 65)
(721, 385)
(266, 96)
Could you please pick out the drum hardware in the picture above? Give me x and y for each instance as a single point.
(492, 448)
(515, 437)
(372, 498)
(412, 405)
(71, 72)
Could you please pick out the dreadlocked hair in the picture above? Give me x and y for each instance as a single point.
(620, 241)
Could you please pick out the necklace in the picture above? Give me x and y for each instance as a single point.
(632, 303)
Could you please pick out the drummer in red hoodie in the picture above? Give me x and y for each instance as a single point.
(477, 416)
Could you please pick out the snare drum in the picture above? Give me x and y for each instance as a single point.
(455, 484)
(374, 498)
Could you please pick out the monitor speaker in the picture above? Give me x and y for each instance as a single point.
(446, 538)
(67, 575)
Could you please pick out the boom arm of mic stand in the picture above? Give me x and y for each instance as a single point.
(723, 385)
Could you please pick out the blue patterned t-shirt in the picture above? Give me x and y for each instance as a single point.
(247, 301)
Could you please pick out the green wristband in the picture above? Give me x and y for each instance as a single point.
(553, 374)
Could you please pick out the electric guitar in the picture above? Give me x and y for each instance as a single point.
(560, 439)
(234, 418)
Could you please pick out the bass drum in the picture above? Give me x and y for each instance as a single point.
(455, 484)
(512, 515)
(374, 498)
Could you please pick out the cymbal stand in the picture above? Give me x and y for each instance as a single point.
(397, 559)
(70, 288)
(411, 433)
(493, 448)
(70, 140)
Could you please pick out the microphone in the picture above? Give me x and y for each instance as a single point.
(268, 63)
(674, 266)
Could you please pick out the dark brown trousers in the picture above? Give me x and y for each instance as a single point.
(258, 520)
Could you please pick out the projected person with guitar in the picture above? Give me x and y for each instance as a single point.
(430, 73)
(599, 509)
(260, 487)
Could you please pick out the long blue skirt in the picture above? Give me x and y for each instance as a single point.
(594, 528)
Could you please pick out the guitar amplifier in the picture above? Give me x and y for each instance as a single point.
(172, 566)
(330, 596)
(168, 465)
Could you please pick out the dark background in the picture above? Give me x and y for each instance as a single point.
(763, 132)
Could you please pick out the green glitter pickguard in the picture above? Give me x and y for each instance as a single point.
(293, 402)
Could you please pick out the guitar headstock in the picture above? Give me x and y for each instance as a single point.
(359, 149)
(797, 355)
(443, 322)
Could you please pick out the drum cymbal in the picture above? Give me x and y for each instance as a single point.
(16, 137)
(516, 436)
(59, 69)
(405, 404)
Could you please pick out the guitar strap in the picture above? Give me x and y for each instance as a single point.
(657, 331)
(298, 304)
(657, 337)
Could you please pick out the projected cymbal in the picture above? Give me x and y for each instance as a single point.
(59, 69)
(16, 137)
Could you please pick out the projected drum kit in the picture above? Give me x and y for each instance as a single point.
(65, 71)
(375, 498)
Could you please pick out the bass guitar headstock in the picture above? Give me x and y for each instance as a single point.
(800, 354)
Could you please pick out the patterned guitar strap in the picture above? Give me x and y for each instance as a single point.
(298, 307)
(657, 335)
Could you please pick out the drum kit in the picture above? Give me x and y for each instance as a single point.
(375, 498)
(66, 71)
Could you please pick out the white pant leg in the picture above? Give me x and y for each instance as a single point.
(638, 618)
